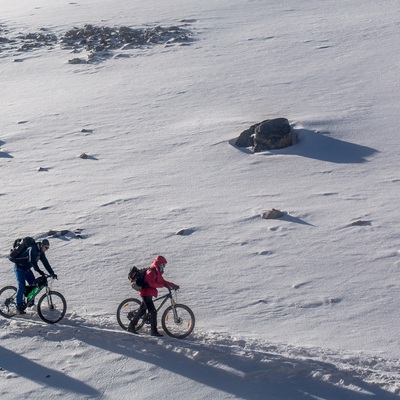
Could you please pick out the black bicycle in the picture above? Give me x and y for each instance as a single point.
(51, 307)
(177, 319)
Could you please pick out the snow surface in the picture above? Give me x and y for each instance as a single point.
(302, 307)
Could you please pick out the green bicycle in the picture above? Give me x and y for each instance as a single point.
(177, 319)
(51, 307)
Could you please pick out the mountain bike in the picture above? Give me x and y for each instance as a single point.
(51, 307)
(177, 319)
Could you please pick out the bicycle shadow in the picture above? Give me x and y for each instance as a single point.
(37, 373)
(224, 366)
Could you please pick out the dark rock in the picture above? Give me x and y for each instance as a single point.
(361, 223)
(76, 61)
(272, 134)
(246, 138)
(273, 214)
(185, 232)
(267, 135)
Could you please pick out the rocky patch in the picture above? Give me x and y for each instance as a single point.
(96, 42)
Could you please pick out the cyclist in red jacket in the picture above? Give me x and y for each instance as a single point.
(154, 279)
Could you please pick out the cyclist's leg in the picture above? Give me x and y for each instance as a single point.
(148, 300)
(20, 275)
(136, 318)
(29, 277)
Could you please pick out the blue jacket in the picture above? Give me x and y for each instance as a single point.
(30, 257)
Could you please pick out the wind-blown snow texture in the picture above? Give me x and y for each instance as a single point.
(303, 307)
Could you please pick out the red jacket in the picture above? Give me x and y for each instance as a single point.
(154, 278)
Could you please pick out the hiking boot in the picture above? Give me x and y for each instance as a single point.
(153, 324)
(30, 303)
(20, 311)
(131, 328)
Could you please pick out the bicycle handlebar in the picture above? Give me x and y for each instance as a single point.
(48, 276)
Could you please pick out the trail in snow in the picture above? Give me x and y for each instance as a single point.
(216, 359)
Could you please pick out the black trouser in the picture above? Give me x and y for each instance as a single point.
(147, 304)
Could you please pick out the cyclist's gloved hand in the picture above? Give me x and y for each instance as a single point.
(54, 276)
(42, 273)
(175, 287)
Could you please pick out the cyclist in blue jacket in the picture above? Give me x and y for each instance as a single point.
(22, 267)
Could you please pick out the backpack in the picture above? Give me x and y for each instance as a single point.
(137, 277)
(19, 246)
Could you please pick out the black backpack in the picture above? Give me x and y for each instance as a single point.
(137, 277)
(19, 246)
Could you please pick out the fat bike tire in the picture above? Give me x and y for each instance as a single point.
(126, 311)
(52, 307)
(179, 323)
(8, 305)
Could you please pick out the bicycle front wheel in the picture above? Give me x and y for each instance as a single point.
(126, 311)
(52, 307)
(178, 321)
(8, 305)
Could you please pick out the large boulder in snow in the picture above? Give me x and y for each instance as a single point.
(267, 135)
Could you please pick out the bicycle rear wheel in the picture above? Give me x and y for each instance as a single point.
(52, 307)
(126, 312)
(178, 321)
(8, 305)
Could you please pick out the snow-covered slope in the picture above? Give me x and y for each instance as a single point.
(306, 306)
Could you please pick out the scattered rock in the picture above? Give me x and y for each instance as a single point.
(267, 135)
(66, 233)
(121, 56)
(41, 169)
(360, 222)
(97, 41)
(185, 232)
(22, 122)
(83, 155)
(273, 214)
(86, 130)
(76, 61)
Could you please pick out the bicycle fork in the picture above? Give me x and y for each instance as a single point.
(49, 300)
(177, 320)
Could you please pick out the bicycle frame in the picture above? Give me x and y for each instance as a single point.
(47, 287)
(164, 299)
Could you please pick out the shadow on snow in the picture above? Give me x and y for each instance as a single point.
(233, 367)
(35, 372)
(320, 146)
